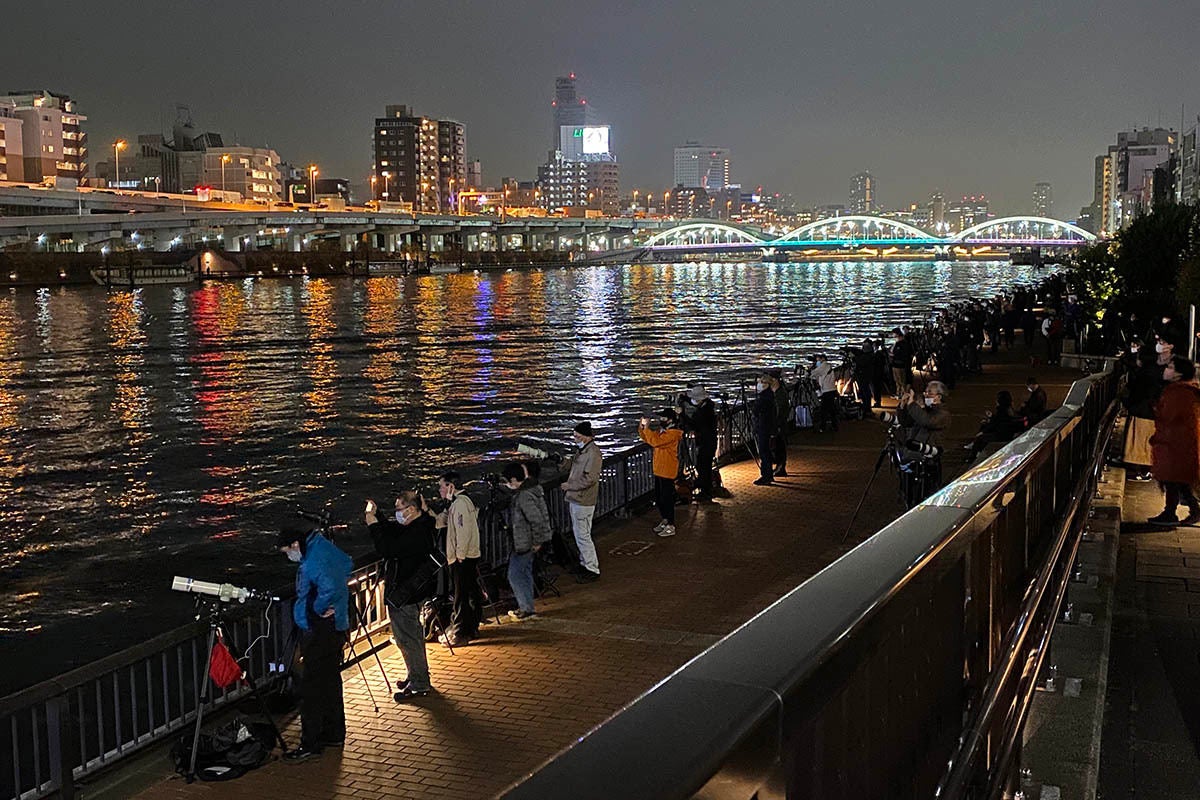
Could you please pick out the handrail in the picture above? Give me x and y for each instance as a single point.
(878, 659)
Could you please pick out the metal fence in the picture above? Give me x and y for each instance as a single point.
(903, 669)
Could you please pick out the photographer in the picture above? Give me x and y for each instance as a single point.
(406, 545)
(703, 422)
(530, 520)
(783, 413)
(924, 422)
(321, 612)
(665, 466)
(582, 490)
(461, 522)
(826, 380)
(764, 427)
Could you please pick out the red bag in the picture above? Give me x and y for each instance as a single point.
(224, 670)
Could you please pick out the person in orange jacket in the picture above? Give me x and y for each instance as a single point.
(666, 466)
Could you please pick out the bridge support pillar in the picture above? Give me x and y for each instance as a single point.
(348, 242)
(293, 242)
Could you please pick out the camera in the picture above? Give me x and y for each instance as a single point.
(225, 592)
(924, 449)
(888, 418)
(538, 454)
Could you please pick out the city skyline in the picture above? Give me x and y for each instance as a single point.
(1040, 119)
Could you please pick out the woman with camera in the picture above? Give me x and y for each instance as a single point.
(406, 545)
(665, 466)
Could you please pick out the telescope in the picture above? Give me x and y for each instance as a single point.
(225, 592)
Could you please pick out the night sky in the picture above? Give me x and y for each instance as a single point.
(969, 96)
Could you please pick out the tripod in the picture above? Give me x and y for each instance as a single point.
(745, 428)
(889, 454)
(362, 628)
(211, 610)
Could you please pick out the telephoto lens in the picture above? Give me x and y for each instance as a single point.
(532, 452)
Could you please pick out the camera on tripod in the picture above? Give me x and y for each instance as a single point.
(538, 453)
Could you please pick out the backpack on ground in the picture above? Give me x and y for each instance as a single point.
(435, 616)
(226, 752)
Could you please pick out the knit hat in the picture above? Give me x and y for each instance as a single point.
(584, 429)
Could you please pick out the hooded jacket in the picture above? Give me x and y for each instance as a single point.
(321, 583)
(582, 486)
(530, 518)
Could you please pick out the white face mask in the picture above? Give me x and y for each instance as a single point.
(760, 386)
(294, 555)
(400, 517)
(929, 401)
(1160, 348)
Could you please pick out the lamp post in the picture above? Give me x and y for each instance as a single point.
(225, 159)
(118, 146)
(374, 195)
(386, 175)
(312, 183)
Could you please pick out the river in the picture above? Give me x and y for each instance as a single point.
(167, 430)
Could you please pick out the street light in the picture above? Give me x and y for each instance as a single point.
(225, 159)
(374, 195)
(312, 183)
(386, 175)
(118, 146)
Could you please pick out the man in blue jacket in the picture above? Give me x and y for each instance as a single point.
(321, 612)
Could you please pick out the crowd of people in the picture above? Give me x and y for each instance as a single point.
(918, 367)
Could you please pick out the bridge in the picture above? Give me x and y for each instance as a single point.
(100, 220)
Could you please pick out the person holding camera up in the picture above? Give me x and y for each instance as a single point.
(321, 612)
(665, 465)
(826, 380)
(406, 545)
(530, 522)
(582, 488)
(925, 421)
(461, 522)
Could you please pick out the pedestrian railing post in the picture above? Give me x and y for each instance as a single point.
(61, 742)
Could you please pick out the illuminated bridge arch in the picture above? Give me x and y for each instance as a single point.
(1024, 229)
(856, 227)
(702, 233)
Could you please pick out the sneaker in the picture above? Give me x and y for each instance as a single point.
(660, 526)
(1166, 518)
(763, 482)
(669, 530)
(1192, 518)
(409, 693)
(781, 473)
(296, 755)
(587, 576)
(402, 685)
(517, 615)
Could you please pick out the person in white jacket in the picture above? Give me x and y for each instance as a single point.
(826, 381)
(461, 523)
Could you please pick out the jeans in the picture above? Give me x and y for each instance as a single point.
(410, 638)
(322, 713)
(520, 579)
(468, 599)
(664, 498)
(581, 525)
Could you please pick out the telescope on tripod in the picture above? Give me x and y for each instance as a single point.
(225, 592)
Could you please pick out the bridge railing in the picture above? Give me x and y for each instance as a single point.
(903, 669)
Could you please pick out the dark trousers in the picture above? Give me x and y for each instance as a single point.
(322, 714)
(664, 497)
(829, 410)
(1179, 492)
(762, 440)
(468, 599)
(706, 451)
(779, 450)
(864, 396)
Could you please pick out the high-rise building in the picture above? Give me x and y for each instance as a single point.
(969, 211)
(569, 109)
(474, 174)
(1187, 179)
(862, 194)
(419, 160)
(1043, 200)
(699, 166)
(51, 144)
(1125, 175)
(937, 212)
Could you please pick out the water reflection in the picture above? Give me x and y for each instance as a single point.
(177, 421)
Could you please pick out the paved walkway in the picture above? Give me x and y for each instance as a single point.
(523, 691)
(1150, 745)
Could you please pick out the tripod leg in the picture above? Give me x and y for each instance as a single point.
(362, 626)
(883, 455)
(204, 682)
(249, 679)
(363, 673)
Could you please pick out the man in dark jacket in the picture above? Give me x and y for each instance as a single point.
(1034, 407)
(321, 612)
(783, 413)
(901, 361)
(864, 368)
(702, 421)
(407, 545)
(764, 428)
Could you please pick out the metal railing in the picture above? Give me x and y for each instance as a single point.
(59, 732)
(903, 669)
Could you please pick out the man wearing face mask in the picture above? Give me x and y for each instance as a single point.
(406, 545)
(826, 380)
(1175, 459)
(1034, 407)
(321, 612)
(927, 420)
(461, 522)
(582, 489)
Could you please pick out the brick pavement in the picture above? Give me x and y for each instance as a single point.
(523, 691)
(1150, 745)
